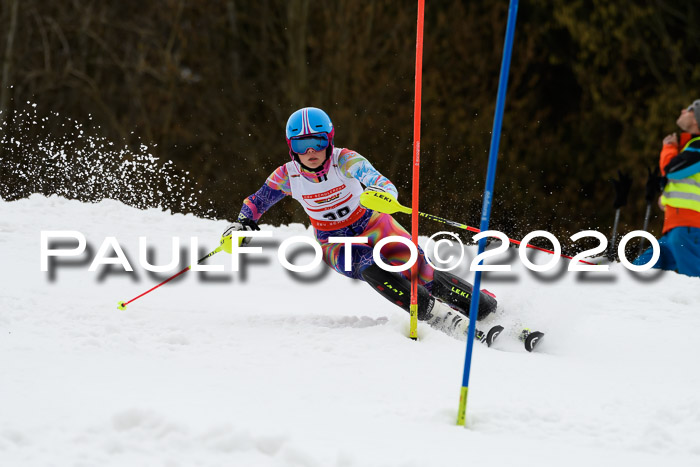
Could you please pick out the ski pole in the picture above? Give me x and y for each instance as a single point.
(122, 305)
(646, 224)
(387, 204)
(622, 188)
(653, 188)
(611, 250)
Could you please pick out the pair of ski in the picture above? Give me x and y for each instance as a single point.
(529, 338)
(385, 203)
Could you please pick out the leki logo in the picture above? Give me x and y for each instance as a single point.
(460, 292)
(391, 287)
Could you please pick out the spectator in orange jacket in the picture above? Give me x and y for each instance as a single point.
(680, 200)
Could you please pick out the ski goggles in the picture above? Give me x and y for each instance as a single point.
(302, 144)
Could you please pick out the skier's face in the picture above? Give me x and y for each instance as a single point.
(686, 121)
(313, 159)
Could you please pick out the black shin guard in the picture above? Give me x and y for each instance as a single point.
(397, 289)
(455, 291)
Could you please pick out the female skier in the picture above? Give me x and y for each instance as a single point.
(327, 182)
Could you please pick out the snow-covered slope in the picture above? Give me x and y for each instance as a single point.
(267, 369)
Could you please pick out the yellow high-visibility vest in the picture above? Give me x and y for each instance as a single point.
(683, 193)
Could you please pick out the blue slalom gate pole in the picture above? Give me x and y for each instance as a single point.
(488, 197)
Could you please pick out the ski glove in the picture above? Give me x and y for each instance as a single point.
(240, 225)
(654, 185)
(622, 189)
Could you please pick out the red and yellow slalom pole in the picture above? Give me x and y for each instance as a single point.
(413, 331)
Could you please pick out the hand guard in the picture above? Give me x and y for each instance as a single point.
(240, 225)
(376, 188)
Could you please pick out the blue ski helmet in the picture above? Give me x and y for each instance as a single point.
(310, 128)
